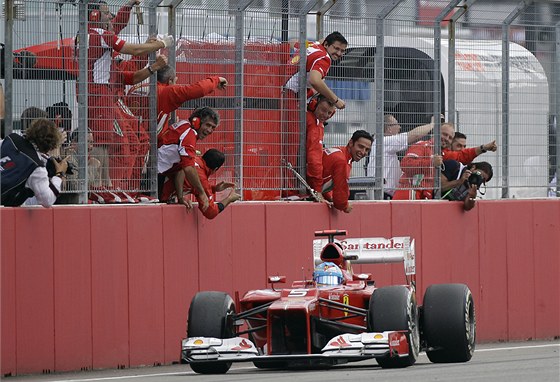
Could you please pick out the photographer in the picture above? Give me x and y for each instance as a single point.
(23, 165)
(462, 182)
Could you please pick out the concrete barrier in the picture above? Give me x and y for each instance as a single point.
(109, 286)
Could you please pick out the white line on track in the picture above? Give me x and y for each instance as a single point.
(117, 378)
(241, 368)
(518, 347)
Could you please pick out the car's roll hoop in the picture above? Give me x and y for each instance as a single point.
(331, 233)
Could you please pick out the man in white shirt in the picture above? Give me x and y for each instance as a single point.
(393, 142)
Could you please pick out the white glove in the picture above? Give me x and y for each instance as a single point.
(167, 40)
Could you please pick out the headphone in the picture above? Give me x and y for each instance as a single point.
(195, 123)
(312, 104)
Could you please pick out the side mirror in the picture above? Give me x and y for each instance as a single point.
(276, 279)
(361, 277)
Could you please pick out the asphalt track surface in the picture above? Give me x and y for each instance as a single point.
(511, 362)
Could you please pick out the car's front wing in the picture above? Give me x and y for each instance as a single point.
(348, 347)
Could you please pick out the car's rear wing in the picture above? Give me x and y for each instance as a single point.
(375, 250)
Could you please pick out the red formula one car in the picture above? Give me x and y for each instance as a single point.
(336, 317)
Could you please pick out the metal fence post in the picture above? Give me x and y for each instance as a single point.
(9, 66)
(379, 83)
(302, 85)
(320, 13)
(239, 91)
(437, 89)
(505, 93)
(83, 97)
(451, 109)
(152, 162)
(557, 105)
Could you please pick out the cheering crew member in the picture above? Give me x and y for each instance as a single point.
(177, 153)
(132, 72)
(320, 55)
(337, 164)
(171, 95)
(206, 166)
(319, 110)
(418, 166)
(467, 155)
(102, 76)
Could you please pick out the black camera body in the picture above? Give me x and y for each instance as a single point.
(476, 179)
(51, 169)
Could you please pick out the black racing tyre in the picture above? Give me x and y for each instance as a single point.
(449, 323)
(211, 315)
(394, 308)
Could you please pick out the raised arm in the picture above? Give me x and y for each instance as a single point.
(318, 83)
(147, 47)
(417, 133)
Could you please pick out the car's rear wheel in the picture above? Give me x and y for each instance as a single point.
(449, 323)
(394, 308)
(211, 315)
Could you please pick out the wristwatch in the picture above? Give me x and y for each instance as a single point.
(483, 149)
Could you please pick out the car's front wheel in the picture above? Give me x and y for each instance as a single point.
(211, 315)
(449, 323)
(394, 308)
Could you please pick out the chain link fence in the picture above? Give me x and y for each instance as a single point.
(490, 67)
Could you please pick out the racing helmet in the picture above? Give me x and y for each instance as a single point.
(328, 273)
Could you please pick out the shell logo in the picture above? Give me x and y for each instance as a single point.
(198, 342)
(378, 336)
(295, 60)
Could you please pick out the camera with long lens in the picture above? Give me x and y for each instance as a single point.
(51, 169)
(476, 179)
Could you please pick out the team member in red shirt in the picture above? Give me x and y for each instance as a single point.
(467, 155)
(103, 80)
(319, 110)
(320, 55)
(418, 165)
(177, 153)
(132, 72)
(209, 164)
(170, 95)
(337, 164)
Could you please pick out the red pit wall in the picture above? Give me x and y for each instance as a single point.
(103, 287)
